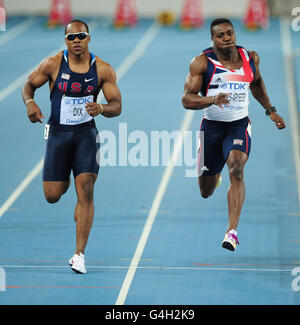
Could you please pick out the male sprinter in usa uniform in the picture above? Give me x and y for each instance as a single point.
(75, 78)
(223, 75)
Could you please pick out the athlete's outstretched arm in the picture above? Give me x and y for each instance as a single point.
(191, 98)
(35, 80)
(259, 92)
(111, 93)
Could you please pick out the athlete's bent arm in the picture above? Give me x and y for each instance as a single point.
(259, 92)
(193, 84)
(36, 80)
(111, 93)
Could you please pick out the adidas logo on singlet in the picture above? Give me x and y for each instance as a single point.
(218, 80)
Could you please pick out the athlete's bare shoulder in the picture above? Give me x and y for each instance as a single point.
(255, 57)
(198, 64)
(46, 71)
(50, 65)
(105, 70)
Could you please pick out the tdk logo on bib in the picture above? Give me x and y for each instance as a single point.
(73, 110)
(234, 85)
(78, 101)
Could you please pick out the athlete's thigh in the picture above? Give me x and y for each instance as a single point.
(238, 139)
(210, 153)
(58, 157)
(84, 159)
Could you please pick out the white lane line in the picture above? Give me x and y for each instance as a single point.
(17, 30)
(159, 268)
(154, 209)
(17, 192)
(122, 69)
(139, 50)
(291, 90)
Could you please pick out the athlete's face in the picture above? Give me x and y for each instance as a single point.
(223, 37)
(77, 46)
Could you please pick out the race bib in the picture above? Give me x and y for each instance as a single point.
(73, 111)
(237, 101)
(237, 94)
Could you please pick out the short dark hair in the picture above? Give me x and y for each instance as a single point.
(77, 21)
(219, 21)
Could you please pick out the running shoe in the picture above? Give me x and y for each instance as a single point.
(71, 260)
(77, 263)
(230, 241)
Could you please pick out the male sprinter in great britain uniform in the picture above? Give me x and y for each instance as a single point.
(75, 78)
(223, 75)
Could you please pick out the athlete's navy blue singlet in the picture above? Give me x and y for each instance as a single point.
(71, 143)
(71, 92)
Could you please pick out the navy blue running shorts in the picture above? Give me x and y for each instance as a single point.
(71, 148)
(219, 139)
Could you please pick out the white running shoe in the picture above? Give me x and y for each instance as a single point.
(71, 260)
(78, 265)
(230, 240)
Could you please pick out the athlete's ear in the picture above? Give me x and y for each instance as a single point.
(212, 34)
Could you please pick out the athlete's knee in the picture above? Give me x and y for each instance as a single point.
(207, 185)
(53, 192)
(86, 189)
(205, 194)
(205, 191)
(52, 197)
(236, 169)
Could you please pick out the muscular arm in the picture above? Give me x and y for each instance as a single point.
(257, 86)
(110, 90)
(259, 92)
(35, 80)
(193, 85)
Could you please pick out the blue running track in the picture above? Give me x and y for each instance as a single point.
(182, 261)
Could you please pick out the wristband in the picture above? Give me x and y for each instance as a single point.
(29, 100)
(270, 110)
